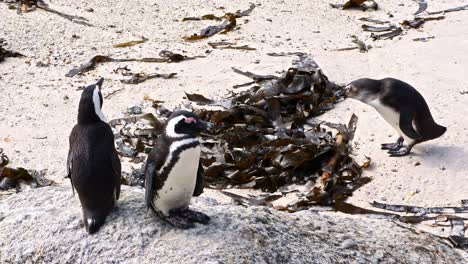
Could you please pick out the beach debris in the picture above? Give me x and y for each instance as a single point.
(110, 94)
(440, 214)
(424, 39)
(454, 9)
(363, 4)
(228, 24)
(375, 21)
(24, 6)
(131, 43)
(255, 77)
(285, 54)
(359, 45)
(378, 29)
(422, 6)
(4, 53)
(419, 21)
(237, 14)
(140, 77)
(19, 178)
(166, 57)
(229, 45)
(457, 233)
(199, 99)
(389, 35)
(420, 210)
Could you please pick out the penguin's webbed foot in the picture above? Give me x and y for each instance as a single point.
(394, 146)
(403, 151)
(391, 146)
(179, 221)
(196, 216)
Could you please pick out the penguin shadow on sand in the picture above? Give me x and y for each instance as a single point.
(437, 155)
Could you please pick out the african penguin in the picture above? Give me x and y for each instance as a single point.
(402, 106)
(173, 172)
(93, 164)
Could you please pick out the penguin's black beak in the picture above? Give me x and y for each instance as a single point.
(100, 82)
(205, 126)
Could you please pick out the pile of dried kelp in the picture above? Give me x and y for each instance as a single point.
(4, 53)
(18, 178)
(266, 136)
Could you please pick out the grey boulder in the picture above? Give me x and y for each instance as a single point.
(44, 226)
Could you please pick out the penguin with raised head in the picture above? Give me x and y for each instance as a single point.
(173, 172)
(93, 164)
(402, 106)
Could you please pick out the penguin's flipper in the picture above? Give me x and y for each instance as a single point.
(117, 169)
(69, 169)
(406, 124)
(150, 171)
(200, 184)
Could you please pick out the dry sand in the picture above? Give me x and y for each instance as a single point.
(39, 104)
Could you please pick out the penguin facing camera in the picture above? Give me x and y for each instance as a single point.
(402, 106)
(173, 172)
(93, 165)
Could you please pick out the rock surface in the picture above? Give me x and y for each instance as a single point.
(44, 226)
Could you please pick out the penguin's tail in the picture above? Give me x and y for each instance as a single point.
(94, 223)
(436, 132)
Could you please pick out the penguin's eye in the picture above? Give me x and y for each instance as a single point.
(190, 120)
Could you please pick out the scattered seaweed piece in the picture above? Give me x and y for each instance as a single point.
(357, 4)
(16, 178)
(454, 9)
(131, 43)
(166, 56)
(419, 21)
(237, 14)
(140, 77)
(25, 6)
(375, 21)
(109, 95)
(378, 29)
(228, 24)
(255, 77)
(229, 45)
(285, 54)
(422, 6)
(359, 45)
(4, 53)
(420, 210)
(457, 227)
(389, 35)
(199, 99)
(425, 39)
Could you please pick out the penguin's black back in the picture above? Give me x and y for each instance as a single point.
(96, 170)
(398, 94)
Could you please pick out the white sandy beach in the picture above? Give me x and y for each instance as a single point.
(39, 104)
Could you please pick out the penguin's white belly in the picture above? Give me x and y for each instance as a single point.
(180, 183)
(391, 116)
